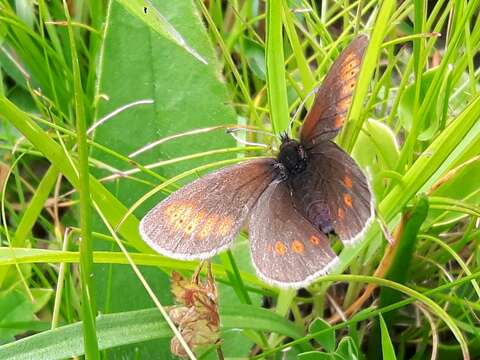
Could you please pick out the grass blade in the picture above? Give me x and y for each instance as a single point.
(134, 327)
(89, 308)
(352, 127)
(388, 351)
(276, 84)
(114, 209)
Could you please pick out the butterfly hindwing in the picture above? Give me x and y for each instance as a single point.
(202, 218)
(313, 188)
(333, 99)
(286, 249)
(333, 193)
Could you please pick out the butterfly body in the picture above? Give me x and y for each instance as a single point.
(291, 203)
(292, 157)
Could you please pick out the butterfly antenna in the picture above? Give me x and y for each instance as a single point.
(247, 129)
(232, 132)
(284, 136)
(300, 107)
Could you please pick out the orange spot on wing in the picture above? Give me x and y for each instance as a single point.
(339, 121)
(347, 89)
(350, 60)
(297, 246)
(280, 248)
(344, 104)
(347, 181)
(208, 226)
(173, 211)
(178, 224)
(178, 214)
(349, 71)
(225, 226)
(177, 209)
(192, 223)
(315, 240)
(347, 200)
(341, 214)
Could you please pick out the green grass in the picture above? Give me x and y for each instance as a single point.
(167, 72)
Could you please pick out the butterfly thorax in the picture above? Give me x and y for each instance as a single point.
(292, 156)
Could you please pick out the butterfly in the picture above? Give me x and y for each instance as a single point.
(291, 203)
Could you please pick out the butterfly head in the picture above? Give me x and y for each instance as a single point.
(284, 137)
(292, 155)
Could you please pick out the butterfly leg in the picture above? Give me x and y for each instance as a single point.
(283, 175)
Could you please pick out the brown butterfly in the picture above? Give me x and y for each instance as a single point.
(313, 188)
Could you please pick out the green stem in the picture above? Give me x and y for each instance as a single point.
(233, 274)
(284, 301)
(86, 256)
(35, 206)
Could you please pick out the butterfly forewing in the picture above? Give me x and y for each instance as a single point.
(333, 193)
(286, 249)
(328, 113)
(312, 189)
(203, 217)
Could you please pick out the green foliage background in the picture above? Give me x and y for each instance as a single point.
(177, 67)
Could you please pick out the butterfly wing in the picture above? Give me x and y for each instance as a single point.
(286, 249)
(334, 97)
(202, 218)
(333, 193)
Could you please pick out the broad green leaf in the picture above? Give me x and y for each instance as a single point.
(406, 108)
(317, 355)
(378, 141)
(41, 298)
(15, 307)
(67, 341)
(376, 150)
(402, 257)
(187, 95)
(404, 250)
(256, 318)
(398, 270)
(256, 58)
(326, 338)
(347, 349)
(134, 327)
(146, 11)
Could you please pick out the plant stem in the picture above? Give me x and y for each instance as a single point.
(86, 256)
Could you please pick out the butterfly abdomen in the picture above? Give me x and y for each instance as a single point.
(319, 216)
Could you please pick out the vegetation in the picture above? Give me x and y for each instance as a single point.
(86, 84)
